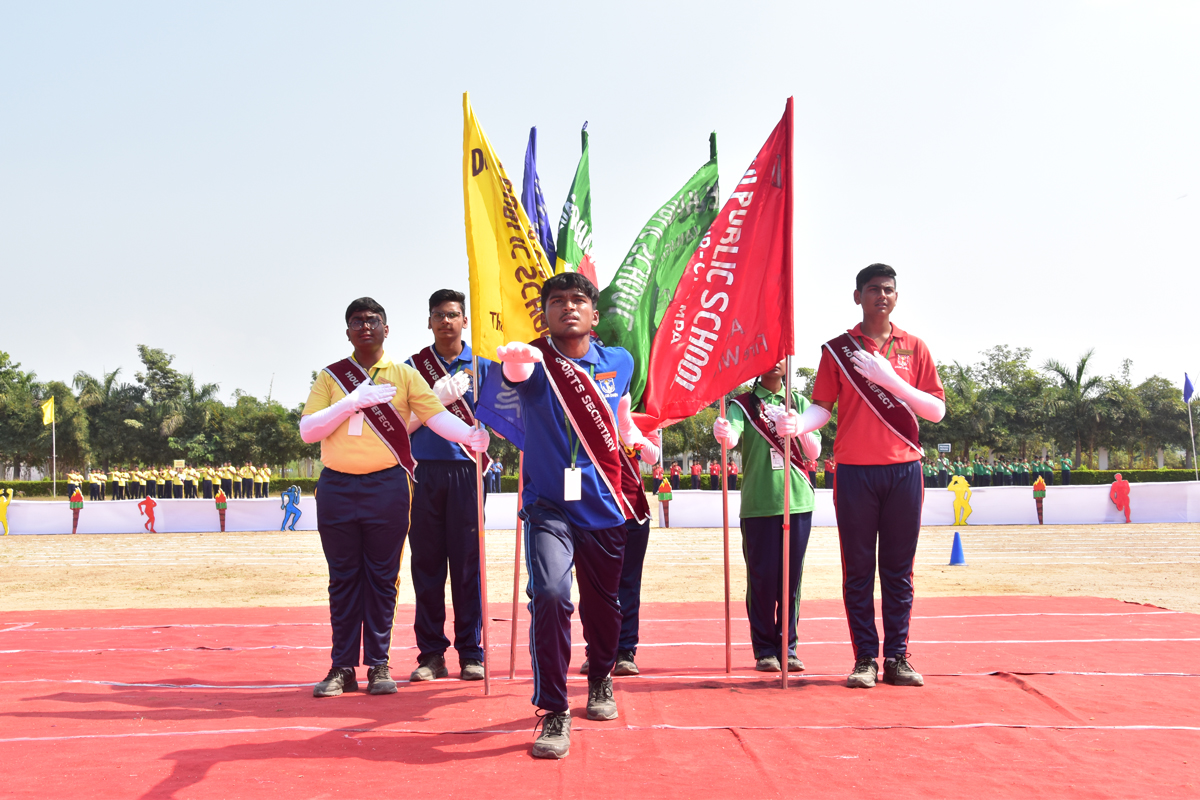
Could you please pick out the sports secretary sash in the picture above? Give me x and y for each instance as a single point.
(596, 426)
(755, 411)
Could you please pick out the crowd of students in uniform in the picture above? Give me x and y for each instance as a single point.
(179, 483)
(1002, 471)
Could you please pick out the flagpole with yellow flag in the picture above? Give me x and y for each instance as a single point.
(506, 268)
(48, 419)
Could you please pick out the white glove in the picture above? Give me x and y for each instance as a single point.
(518, 359)
(723, 432)
(367, 395)
(787, 423)
(453, 429)
(878, 370)
(316, 426)
(451, 388)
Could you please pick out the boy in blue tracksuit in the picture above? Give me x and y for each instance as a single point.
(575, 509)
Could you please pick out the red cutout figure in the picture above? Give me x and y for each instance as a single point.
(148, 510)
(1119, 494)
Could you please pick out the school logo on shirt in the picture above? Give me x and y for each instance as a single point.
(608, 382)
(902, 361)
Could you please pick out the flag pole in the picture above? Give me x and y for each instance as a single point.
(483, 592)
(512, 638)
(784, 606)
(1192, 437)
(725, 523)
(54, 455)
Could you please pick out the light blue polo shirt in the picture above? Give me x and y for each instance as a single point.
(427, 445)
(547, 450)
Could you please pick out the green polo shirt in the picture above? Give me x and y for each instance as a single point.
(1066, 464)
(979, 468)
(762, 487)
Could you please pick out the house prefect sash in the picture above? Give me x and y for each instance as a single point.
(596, 426)
(754, 409)
(384, 419)
(431, 369)
(894, 414)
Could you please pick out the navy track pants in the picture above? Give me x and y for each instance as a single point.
(762, 547)
(552, 546)
(878, 506)
(444, 540)
(363, 520)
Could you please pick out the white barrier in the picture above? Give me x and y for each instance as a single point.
(690, 508)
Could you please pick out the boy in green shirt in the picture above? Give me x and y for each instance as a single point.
(763, 470)
(1066, 470)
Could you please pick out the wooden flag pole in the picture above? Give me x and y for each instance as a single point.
(512, 637)
(784, 605)
(725, 523)
(483, 592)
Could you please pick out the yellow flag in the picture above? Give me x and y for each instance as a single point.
(507, 265)
(48, 411)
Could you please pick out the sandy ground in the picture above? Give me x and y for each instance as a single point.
(1158, 564)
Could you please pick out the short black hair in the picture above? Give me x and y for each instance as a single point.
(565, 281)
(447, 296)
(873, 271)
(365, 304)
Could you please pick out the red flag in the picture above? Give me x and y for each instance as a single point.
(731, 317)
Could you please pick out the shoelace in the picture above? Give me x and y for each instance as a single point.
(601, 690)
(552, 724)
(334, 672)
(381, 672)
(864, 665)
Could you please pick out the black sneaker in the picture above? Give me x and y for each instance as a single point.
(864, 674)
(470, 669)
(795, 664)
(583, 668)
(898, 672)
(339, 679)
(379, 680)
(555, 739)
(767, 664)
(600, 704)
(625, 664)
(430, 668)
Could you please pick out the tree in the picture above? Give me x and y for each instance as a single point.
(112, 411)
(1073, 404)
(970, 413)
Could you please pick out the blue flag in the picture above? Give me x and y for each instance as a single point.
(500, 409)
(1187, 388)
(532, 200)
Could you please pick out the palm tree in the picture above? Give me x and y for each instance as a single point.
(970, 411)
(1074, 404)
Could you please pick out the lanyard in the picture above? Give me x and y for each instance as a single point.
(567, 424)
(891, 341)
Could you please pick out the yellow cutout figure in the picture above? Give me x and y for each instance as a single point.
(962, 499)
(6, 496)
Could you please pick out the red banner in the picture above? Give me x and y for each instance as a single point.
(731, 317)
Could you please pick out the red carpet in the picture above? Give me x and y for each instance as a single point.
(1025, 697)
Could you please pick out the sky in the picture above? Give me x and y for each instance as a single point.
(219, 180)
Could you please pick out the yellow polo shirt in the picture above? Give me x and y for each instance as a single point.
(359, 455)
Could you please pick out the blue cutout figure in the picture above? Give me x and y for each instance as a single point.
(291, 507)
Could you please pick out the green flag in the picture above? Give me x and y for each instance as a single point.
(633, 305)
(574, 246)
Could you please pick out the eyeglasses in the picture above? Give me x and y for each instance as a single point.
(374, 323)
(441, 316)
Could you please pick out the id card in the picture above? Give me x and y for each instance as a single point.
(572, 483)
(356, 422)
(776, 459)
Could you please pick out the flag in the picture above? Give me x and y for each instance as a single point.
(48, 412)
(533, 201)
(575, 225)
(731, 317)
(1187, 388)
(633, 305)
(506, 264)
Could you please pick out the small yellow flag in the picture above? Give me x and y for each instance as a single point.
(506, 264)
(48, 411)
